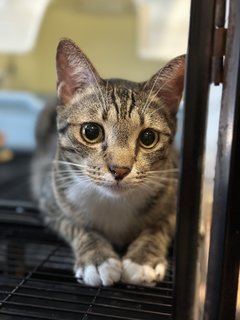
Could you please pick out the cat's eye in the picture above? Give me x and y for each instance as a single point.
(92, 132)
(148, 138)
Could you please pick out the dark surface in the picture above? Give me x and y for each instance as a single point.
(15, 178)
(36, 279)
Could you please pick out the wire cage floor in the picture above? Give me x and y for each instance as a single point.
(36, 279)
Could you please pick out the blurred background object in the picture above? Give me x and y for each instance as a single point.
(162, 28)
(18, 113)
(20, 21)
(108, 31)
(5, 154)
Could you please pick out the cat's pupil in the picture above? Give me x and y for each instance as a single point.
(148, 138)
(91, 132)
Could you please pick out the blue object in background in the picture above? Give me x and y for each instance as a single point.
(18, 115)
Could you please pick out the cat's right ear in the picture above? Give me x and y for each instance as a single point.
(74, 71)
(167, 84)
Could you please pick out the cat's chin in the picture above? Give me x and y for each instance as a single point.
(116, 190)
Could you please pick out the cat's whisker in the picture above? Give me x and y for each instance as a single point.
(171, 170)
(158, 177)
(61, 178)
(156, 110)
(162, 174)
(146, 188)
(77, 172)
(71, 177)
(96, 81)
(97, 96)
(64, 183)
(65, 172)
(148, 102)
(89, 168)
(78, 169)
(107, 83)
(70, 173)
(69, 163)
(150, 93)
(154, 182)
(87, 177)
(146, 83)
(67, 184)
(143, 182)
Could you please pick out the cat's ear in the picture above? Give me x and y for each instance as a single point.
(167, 83)
(74, 71)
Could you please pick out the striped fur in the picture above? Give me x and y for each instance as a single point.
(119, 229)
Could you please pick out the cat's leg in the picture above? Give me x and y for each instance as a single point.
(145, 262)
(96, 262)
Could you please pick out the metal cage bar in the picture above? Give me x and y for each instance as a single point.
(195, 113)
(224, 252)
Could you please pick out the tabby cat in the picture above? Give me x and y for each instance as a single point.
(105, 176)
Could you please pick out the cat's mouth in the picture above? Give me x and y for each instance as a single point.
(117, 187)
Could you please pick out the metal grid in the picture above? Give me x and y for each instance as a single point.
(36, 281)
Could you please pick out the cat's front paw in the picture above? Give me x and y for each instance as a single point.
(134, 273)
(106, 274)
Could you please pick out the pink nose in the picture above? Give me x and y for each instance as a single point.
(119, 172)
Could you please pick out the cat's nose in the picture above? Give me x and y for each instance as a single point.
(119, 172)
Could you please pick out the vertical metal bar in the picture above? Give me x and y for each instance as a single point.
(219, 43)
(195, 114)
(220, 13)
(224, 252)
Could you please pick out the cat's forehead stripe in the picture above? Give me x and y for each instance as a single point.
(130, 102)
(114, 102)
(122, 101)
(118, 99)
(132, 105)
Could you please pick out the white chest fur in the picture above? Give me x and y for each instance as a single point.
(113, 216)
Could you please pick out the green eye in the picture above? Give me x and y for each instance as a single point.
(148, 138)
(92, 132)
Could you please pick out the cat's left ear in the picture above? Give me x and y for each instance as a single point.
(167, 83)
(75, 72)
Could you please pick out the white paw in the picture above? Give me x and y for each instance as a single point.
(108, 273)
(135, 273)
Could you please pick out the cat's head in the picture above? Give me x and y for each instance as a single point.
(117, 133)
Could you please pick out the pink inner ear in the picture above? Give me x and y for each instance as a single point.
(170, 83)
(66, 85)
(65, 88)
(74, 71)
(172, 93)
